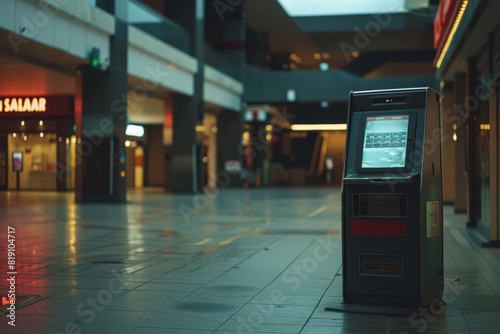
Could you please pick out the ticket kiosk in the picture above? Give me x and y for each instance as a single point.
(392, 224)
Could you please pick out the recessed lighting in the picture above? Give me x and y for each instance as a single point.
(317, 56)
(326, 56)
(318, 127)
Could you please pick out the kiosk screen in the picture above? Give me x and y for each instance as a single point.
(385, 142)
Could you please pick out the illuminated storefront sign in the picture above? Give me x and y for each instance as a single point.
(23, 105)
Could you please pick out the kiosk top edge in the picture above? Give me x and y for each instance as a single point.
(395, 90)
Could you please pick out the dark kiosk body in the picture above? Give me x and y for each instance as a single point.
(392, 222)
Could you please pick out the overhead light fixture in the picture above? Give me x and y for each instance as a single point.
(326, 56)
(317, 56)
(135, 130)
(199, 128)
(318, 127)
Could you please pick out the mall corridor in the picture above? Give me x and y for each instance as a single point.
(231, 261)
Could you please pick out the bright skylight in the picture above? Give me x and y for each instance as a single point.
(341, 7)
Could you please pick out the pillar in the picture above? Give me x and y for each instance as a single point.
(461, 187)
(448, 144)
(472, 163)
(188, 110)
(230, 125)
(100, 117)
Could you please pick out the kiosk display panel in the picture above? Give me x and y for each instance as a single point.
(385, 142)
(384, 145)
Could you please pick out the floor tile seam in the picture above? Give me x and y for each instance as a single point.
(213, 280)
(466, 322)
(320, 300)
(277, 277)
(277, 239)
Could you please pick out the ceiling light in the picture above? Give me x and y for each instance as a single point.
(134, 130)
(324, 66)
(317, 56)
(318, 127)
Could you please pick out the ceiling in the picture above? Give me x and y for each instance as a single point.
(333, 38)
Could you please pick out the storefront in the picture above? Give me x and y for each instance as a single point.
(37, 145)
(467, 39)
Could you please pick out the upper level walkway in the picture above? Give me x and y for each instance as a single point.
(255, 261)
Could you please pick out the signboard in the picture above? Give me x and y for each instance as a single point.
(444, 17)
(35, 104)
(54, 105)
(17, 161)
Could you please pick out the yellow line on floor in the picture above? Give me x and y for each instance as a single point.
(318, 211)
(228, 241)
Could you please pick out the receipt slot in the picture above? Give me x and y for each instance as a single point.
(392, 224)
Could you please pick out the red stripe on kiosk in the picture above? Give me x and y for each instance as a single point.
(380, 228)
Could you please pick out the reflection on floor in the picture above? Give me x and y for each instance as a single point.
(256, 261)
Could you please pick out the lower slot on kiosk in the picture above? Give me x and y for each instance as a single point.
(381, 265)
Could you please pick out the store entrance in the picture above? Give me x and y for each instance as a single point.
(135, 164)
(33, 161)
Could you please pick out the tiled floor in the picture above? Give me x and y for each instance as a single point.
(257, 261)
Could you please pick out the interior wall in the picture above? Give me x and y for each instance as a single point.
(336, 149)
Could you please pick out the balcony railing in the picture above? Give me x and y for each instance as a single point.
(221, 62)
(157, 25)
